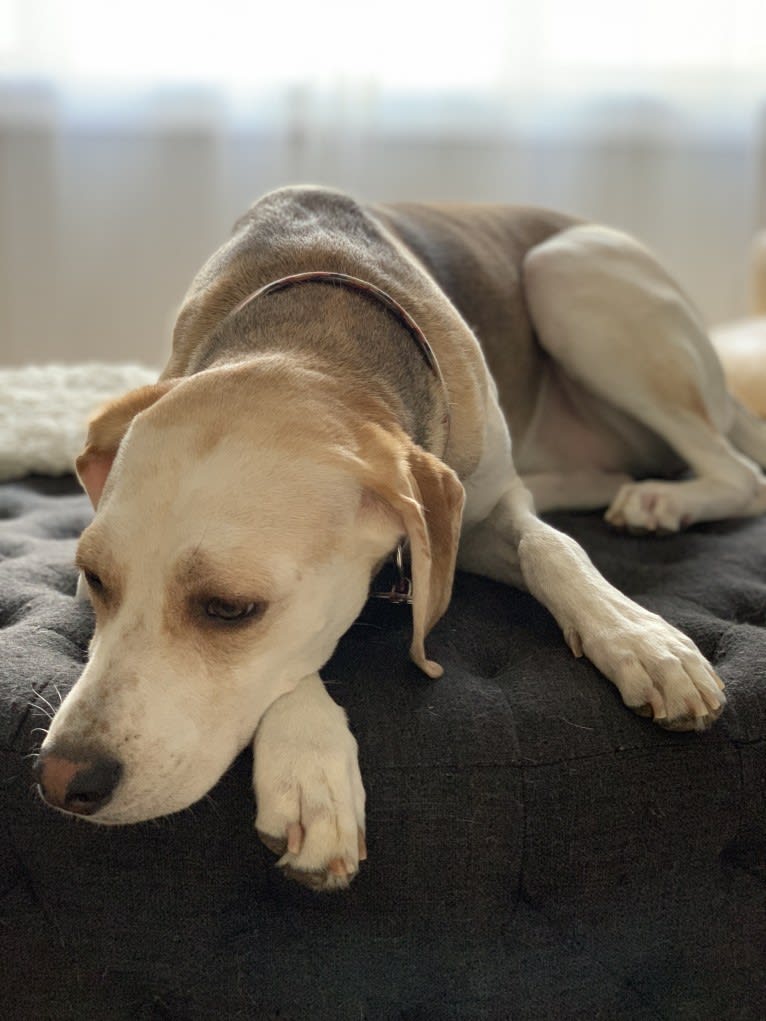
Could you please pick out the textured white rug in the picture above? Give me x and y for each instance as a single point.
(44, 412)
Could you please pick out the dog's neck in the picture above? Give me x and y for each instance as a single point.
(368, 332)
(356, 284)
(371, 290)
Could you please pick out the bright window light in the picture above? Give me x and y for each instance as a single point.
(402, 46)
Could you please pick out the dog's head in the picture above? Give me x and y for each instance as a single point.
(240, 514)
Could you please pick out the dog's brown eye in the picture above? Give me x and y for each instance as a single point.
(222, 609)
(94, 582)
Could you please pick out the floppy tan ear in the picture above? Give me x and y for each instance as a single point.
(106, 430)
(428, 497)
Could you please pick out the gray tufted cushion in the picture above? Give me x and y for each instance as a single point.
(535, 850)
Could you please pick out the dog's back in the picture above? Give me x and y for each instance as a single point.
(475, 252)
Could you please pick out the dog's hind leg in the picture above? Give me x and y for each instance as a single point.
(621, 329)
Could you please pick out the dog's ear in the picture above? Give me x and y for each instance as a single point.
(105, 432)
(428, 498)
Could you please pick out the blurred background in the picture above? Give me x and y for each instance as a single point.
(132, 135)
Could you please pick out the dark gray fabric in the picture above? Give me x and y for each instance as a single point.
(536, 851)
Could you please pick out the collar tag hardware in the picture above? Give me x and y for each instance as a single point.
(401, 589)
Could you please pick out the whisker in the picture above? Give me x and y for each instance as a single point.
(39, 730)
(40, 709)
(39, 694)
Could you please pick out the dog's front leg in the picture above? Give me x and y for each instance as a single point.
(308, 787)
(658, 670)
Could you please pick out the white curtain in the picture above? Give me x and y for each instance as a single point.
(133, 134)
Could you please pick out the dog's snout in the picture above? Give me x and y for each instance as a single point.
(81, 784)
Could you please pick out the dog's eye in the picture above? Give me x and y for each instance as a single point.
(222, 609)
(94, 582)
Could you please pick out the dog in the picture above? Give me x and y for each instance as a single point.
(345, 378)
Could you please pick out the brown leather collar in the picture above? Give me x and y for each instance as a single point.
(323, 276)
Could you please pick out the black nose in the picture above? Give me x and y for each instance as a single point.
(80, 784)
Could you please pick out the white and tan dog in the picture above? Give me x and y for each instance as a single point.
(302, 430)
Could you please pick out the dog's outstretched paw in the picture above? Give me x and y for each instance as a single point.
(660, 673)
(310, 794)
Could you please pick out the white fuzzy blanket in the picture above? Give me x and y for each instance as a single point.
(44, 411)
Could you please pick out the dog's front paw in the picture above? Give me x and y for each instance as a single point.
(309, 791)
(659, 672)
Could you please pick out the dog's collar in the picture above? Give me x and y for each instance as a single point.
(323, 276)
